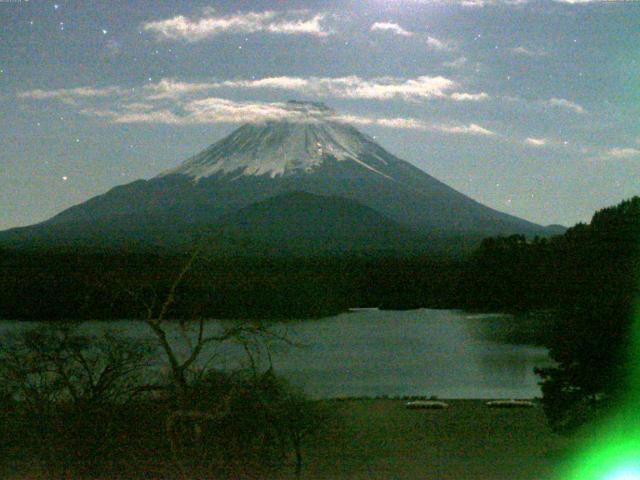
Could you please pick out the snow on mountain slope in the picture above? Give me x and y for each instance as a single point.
(280, 148)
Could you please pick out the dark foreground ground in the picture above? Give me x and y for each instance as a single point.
(381, 439)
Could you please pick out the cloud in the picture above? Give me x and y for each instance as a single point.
(71, 93)
(536, 142)
(408, 123)
(212, 110)
(219, 110)
(175, 102)
(126, 115)
(438, 44)
(471, 129)
(580, 2)
(622, 153)
(401, 123)
(351, 87)
(474, 97)
(497, 3)
(616, 154)
(528, 52)
(171, 88)
(473, 3)
(355, 87)
(203, 111)
(312, 26)
(198, 29)
(415, 124)
(381, 89)
(390, 27)
(543, 106)
(456, 63)
(566, 104)
(397, 30)
(281, 82)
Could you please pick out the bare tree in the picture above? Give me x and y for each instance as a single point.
(67, 385)
(277, 413)
(185, 423)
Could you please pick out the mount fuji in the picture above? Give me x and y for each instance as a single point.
(305, 178)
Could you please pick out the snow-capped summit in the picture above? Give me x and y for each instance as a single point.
(307, 135)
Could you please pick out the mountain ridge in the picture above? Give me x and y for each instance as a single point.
(313, 151)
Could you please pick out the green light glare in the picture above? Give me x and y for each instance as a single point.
(624, 473)
(613, 449)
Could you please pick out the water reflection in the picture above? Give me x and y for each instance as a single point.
(419, 352)
(368, 353)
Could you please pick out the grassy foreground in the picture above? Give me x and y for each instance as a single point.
(381, 439)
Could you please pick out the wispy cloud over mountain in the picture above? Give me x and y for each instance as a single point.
(352, 87)
(173, 103)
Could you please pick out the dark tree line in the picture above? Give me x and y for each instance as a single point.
(82, 284)
(593, 341)
(589, 277)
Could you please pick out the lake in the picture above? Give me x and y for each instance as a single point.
(444, 353)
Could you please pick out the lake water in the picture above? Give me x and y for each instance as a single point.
(370, 353)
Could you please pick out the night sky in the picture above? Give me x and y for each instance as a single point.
(532, 108)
